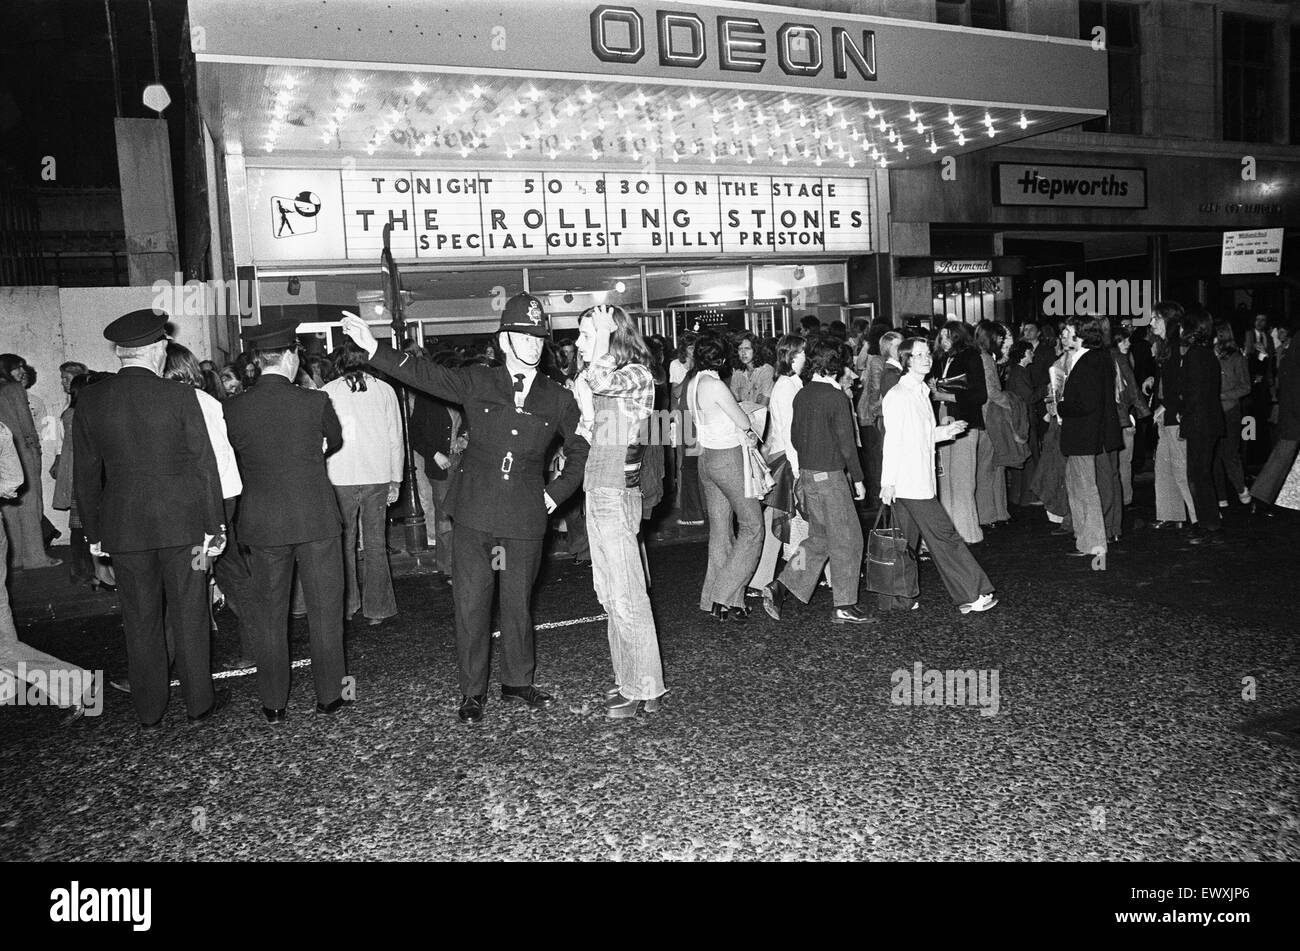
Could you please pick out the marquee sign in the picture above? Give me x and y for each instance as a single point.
(317, 214)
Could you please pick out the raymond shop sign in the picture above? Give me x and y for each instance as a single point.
(1074, 186)
(324, 215)
(1252, 252)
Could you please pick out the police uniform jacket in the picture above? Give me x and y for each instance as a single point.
(278, 430)
(144, 470)
(501, 476)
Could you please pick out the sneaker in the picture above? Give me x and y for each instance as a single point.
(983, 603)
(1223, 503)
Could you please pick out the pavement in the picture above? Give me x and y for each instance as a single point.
(1147, 712)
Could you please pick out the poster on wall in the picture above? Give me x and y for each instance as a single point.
(317, 215)
(1252, 252)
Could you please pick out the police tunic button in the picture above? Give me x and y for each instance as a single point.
(514, 432)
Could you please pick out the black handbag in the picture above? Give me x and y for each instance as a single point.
(891, 565)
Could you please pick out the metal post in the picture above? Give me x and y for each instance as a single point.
(408, 511)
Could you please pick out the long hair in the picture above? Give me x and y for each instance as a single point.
(182, 366)
(1225, 341)
(626, 345)
(958, 335)
(712, 352)
(760, 353)
(787, 348)
(350, 364)
(1198, 328)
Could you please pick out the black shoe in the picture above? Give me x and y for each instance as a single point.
(471, 708)
(852, 614)
(738, 615)
(220, 698)
(719, 611)
(753, 592)
(582, 562)
(122, 684)
(332, 707)
(537, 699)
(1206, 537)
(274, 716)
(773, 597)
(151, 727)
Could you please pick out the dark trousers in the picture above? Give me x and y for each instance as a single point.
(1111, 490)
(1228, 471)
(871, 453)
(320, 568)
(1200, 480)
(960, 572)
(480, 559)
(230, 569)
(834, 534)
(575, 520)
(163, 593)
(82, 565)
(372, 592)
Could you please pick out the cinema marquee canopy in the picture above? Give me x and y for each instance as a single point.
(620, 97)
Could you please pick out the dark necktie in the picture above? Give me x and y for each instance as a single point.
(519, 382)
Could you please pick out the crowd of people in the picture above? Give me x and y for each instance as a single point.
(284, 464)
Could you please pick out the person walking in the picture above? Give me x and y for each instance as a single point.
(1175, 506)
(498, 502)
(908, 481)
(366, 473)
(289, 517)
(149, 493)
(822, 432)
(616, 391)
(721, 426)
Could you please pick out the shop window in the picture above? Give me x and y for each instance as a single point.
(1247, 80)
(984, 14)
(1124, 62)
(971, 300)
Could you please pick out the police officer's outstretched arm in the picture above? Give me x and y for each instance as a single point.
(330, 427)
(442, 382)
(575, 451)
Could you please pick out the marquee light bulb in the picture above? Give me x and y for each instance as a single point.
(952, 116)
(1024, 123)
(883, 125)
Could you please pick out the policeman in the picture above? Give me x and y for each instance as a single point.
(147, 487)
(497, 501)
(289, 517)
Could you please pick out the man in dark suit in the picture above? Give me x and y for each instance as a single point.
(148, 491)
(498, 501)
(1089, 428)
(289, 515)
(1200, 421)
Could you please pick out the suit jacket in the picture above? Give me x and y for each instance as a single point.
(501, 476)
(972, 397)
(144, 471)
(277, 430)
(1201, 410)
(1089, 420)
(1040, 365)
(430, 431)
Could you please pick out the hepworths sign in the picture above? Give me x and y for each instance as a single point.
(1073, 186)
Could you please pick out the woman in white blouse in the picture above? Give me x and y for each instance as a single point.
(790, 360)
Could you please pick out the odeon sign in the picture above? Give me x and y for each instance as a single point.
(618, 35)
